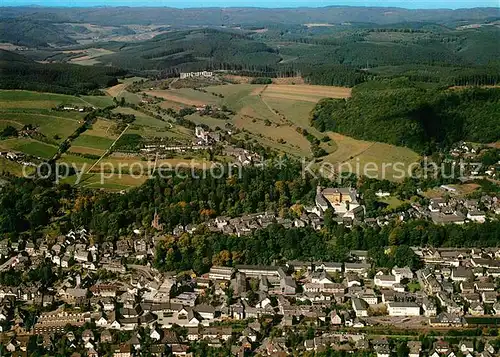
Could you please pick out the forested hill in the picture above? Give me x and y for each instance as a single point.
(198, 49)
(115, 16)
(33, 33)
(402, 113)
(18, 72)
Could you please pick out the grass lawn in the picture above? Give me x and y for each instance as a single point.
(414, 286)
(391, 202)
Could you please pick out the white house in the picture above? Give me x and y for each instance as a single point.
(360, 307)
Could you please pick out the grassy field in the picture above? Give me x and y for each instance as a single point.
(29, 99)
(234, 94)
(78, 162)
(98, 101)
(89, 56)
(19, 108)
(37, 100)
(30, 147)
(119, 91)
(391, 202)
(141, 118)
(185, 96)
(103, 128)
(93, 142)
(305, 92)
(176, 132)
(271, 115)
(115, 183)
(370, 158)
(12, 167)
(207, 120)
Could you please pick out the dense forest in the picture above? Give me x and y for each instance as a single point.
(18, 72)
(404, 113)
(33, 33)
(193, 50)
(275, 243)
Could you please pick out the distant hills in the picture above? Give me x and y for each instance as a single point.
(116, 16)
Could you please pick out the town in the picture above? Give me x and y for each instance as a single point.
(315, 180)
(102, 292)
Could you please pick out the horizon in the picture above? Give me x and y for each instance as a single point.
(279, 4)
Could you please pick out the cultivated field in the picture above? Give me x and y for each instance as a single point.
(36, 100)
(78, 162)
(89, 56)
(115, 183)
(52, 126)
(92, 141)
(267, 114)
(362, 156)
(271, 114)
(185, 96)
(305, 92)
(142, 119)
(96, 140)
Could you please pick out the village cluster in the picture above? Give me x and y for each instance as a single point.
(470, 155)
(348, 210)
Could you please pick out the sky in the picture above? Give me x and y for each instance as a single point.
(411, 4)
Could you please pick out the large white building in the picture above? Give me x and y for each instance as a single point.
(196, 74)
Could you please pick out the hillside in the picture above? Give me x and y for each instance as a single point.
(33, 33)
(18, 72)
(409, 115)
